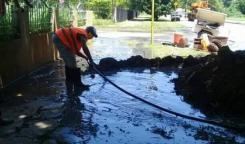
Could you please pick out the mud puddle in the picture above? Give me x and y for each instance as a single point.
(106, 115)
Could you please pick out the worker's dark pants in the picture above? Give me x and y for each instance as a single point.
(73, 75)
(66, 55)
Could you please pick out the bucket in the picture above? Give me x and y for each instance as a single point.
(177, 38)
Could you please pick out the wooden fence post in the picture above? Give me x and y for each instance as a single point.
(55, 26)
(54, 20)
(27, 59)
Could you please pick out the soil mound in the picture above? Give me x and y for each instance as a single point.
(107, 64)
(215, 84)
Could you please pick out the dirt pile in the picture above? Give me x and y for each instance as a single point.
(216, 85)
(108, 64)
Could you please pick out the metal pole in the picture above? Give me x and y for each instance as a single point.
(152, 22)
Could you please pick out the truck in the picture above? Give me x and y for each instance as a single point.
(209, 22)
(210, 29)
(203, 4)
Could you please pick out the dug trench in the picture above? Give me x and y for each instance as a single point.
(214, 83)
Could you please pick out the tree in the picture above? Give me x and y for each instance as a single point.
(216, 5)
(227, 3)
(175, 4)
(101, 8)
(241, 6)
(18, 2)
(136, 5)
(162, 7)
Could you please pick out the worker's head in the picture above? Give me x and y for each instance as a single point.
(91, 32)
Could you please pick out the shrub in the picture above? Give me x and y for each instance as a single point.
(101, 8)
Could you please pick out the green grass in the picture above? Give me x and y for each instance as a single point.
(159, 50)
(141, 24)
(163, 51)
(240, 19)
(102, 22)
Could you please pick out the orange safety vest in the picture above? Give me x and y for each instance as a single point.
(68, 34)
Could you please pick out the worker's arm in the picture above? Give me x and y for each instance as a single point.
(86, 50)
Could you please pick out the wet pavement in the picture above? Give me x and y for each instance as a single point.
(43, 112)
(122, 45)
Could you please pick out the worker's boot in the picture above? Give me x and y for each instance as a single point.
(69, 80)
(78, 85)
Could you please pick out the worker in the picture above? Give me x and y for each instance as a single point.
(71, 42)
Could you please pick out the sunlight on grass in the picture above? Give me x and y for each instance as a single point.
(237, 19)
(163, 51)
(159, 50)
(141, 24)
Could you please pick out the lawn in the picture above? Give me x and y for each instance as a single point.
(140, 24)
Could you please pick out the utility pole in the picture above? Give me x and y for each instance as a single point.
(114, 10)
(152, 21)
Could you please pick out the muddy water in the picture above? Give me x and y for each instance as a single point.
(121, 45)
(106, 115)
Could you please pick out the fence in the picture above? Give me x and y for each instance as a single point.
(29, 40)
(33, 47)
(21, 55)
(40, 19)
(124, 14)
(9, 24)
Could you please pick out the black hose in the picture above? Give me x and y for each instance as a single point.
(164, 109)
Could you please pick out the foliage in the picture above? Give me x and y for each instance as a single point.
(175, 4)
(8, 24)
(241, 6)
(227, 3)
(122, 3)
(216, 5)
(40, 19)
(161, 7)
(233, 10)
(136, 5)
(186, 3)
(101, 8)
